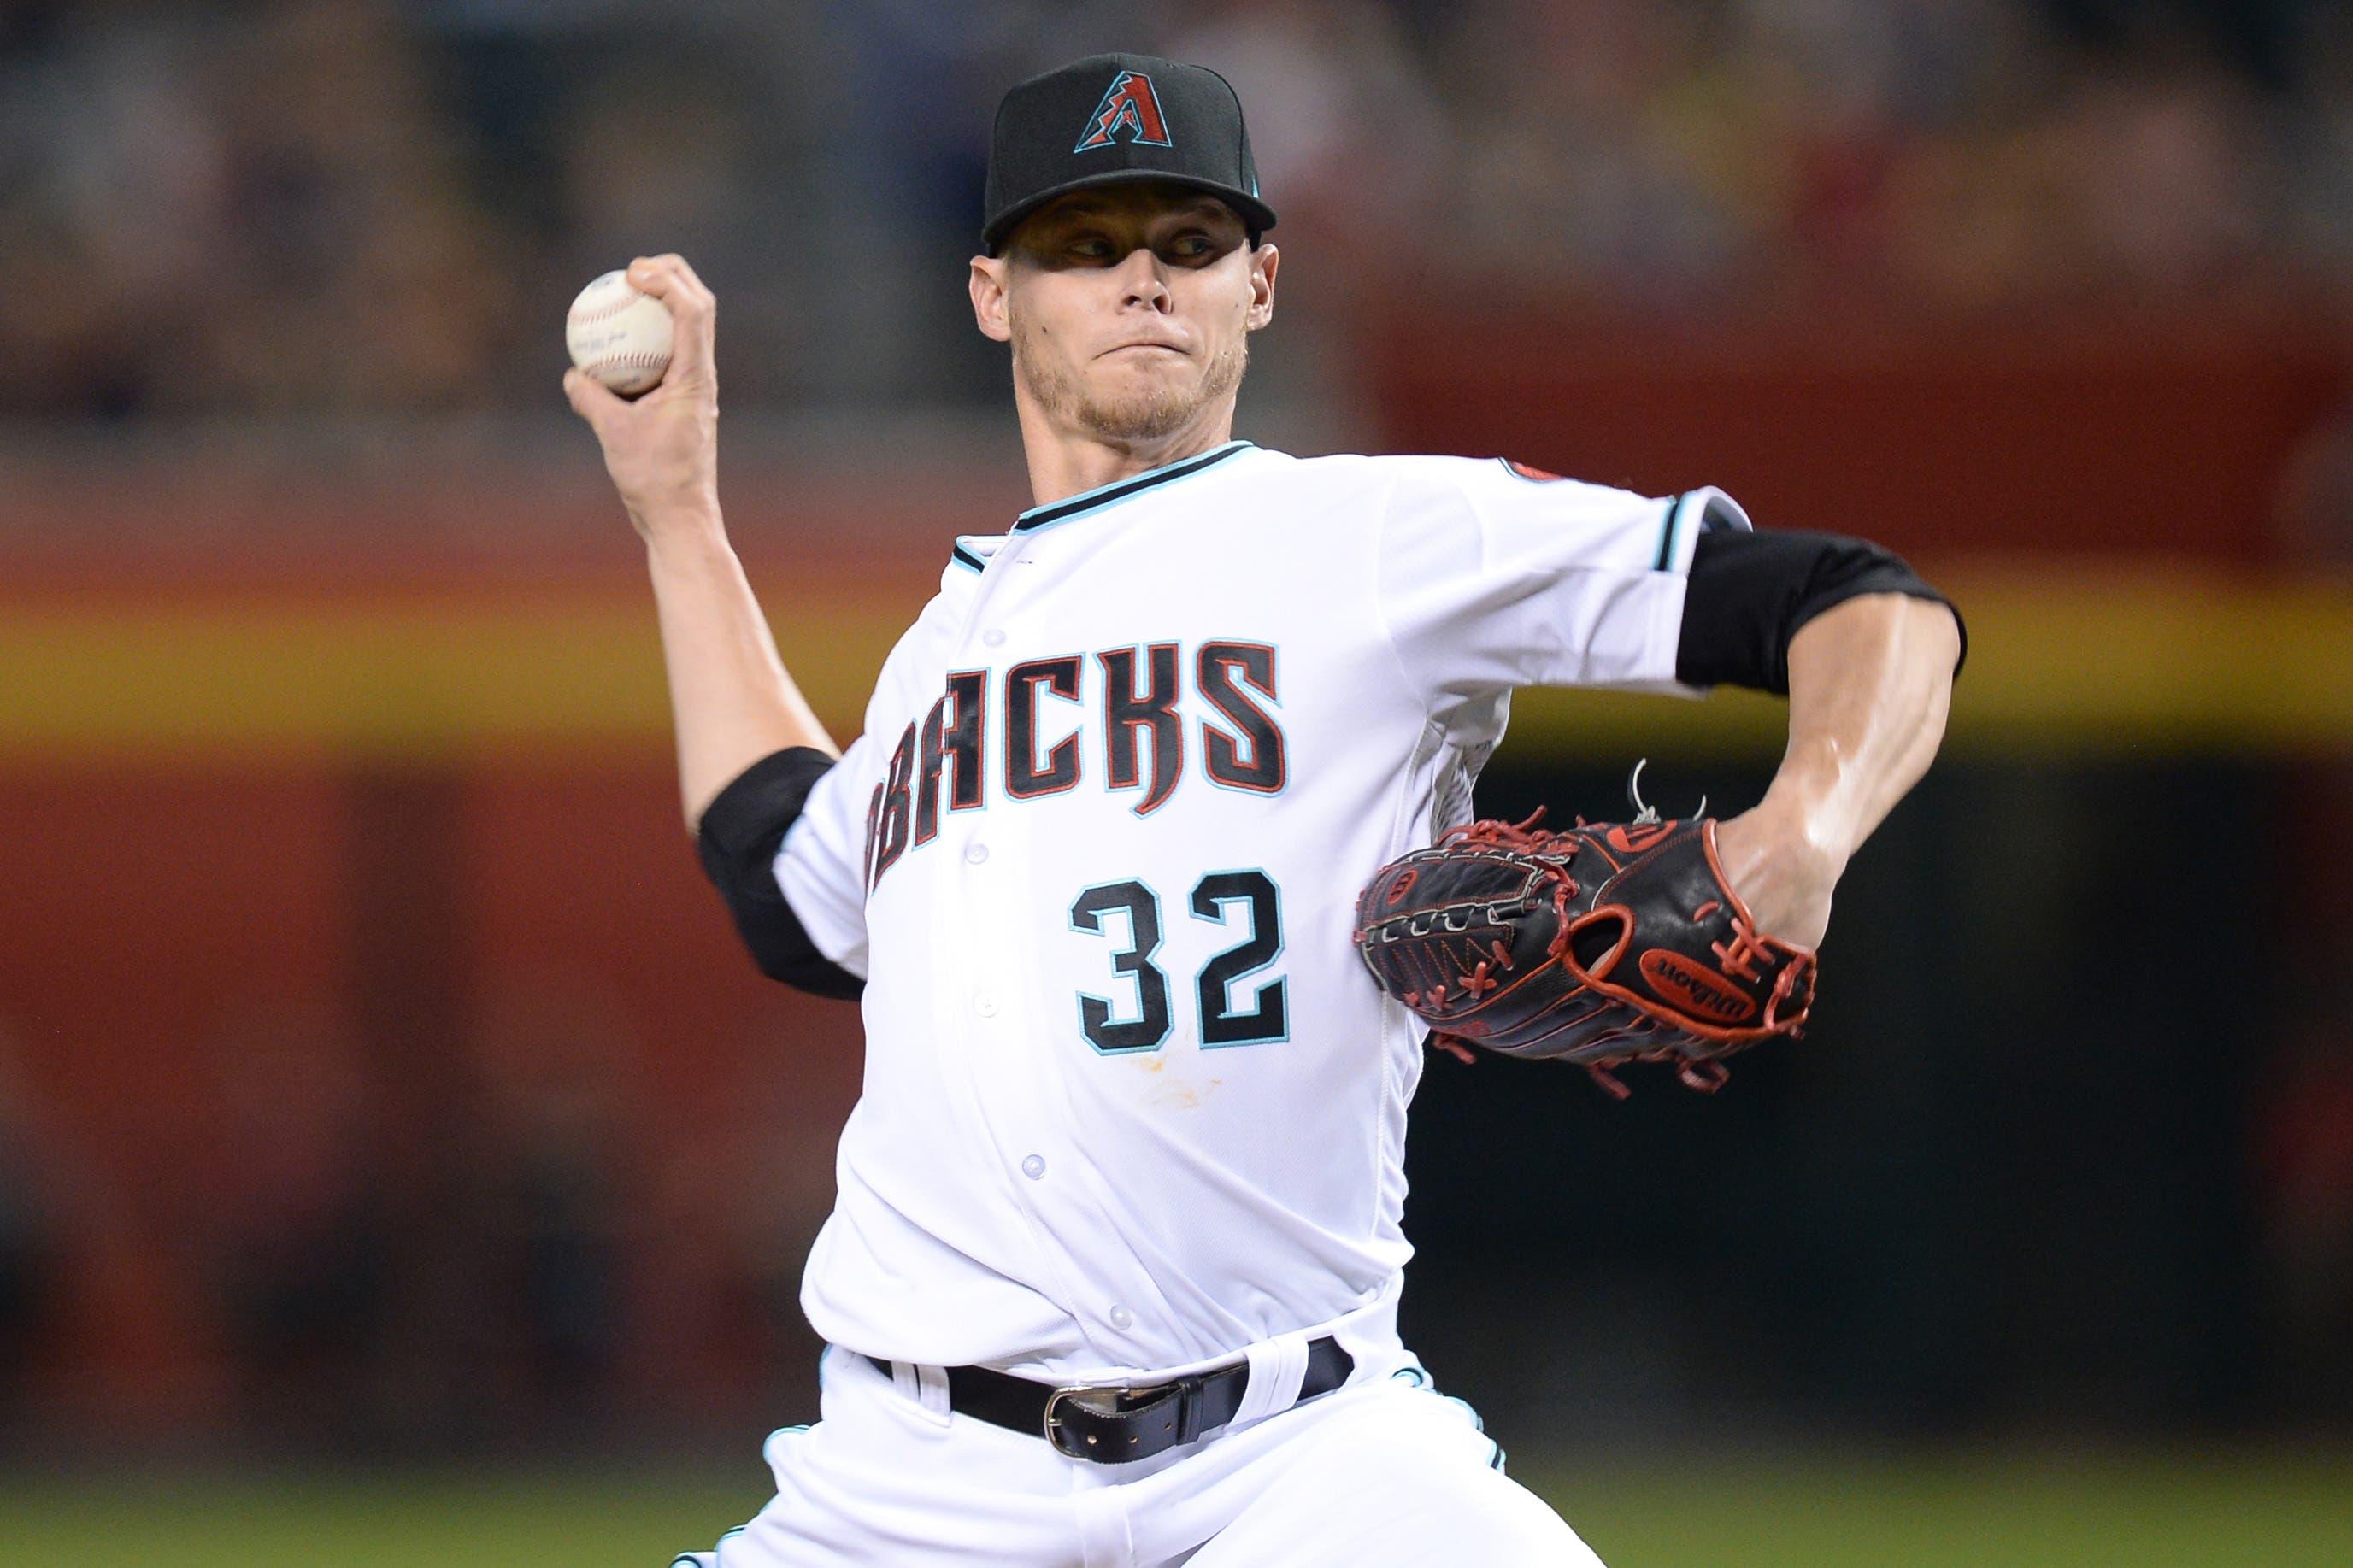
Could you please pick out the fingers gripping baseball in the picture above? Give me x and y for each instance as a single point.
(669, 279)
(662, 448)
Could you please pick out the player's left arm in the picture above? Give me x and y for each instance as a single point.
(1492, 575)
(1867, 653)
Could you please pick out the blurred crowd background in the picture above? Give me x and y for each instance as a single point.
(376, 1077)
(375, 200)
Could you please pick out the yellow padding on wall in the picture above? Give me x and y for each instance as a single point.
(2163, 662)
(374, 678)
(2055, 663)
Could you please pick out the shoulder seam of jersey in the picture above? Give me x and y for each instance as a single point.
(1121, 489)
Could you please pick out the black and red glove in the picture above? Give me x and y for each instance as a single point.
(1605, 945)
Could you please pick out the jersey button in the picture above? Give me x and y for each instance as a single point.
(975, 852)
(984, 1004)
(1122, 1319)
(1034, 1167)
(994, 637)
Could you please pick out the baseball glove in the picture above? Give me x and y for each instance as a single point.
(1605, 945)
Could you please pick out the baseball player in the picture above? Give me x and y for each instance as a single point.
(1113, 1276)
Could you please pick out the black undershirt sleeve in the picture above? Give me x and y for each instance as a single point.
(1749, 594)
(738, 838)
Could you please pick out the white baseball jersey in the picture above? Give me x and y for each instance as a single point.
(1130, 1102)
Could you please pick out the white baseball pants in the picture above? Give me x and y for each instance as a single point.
(1383, 1471)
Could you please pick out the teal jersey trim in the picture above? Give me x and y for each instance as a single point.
(1729, 520)
(1414, 1375)
(1667, 534)
(1118, 490)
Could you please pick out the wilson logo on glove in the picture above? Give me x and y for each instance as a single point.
(1702, 991)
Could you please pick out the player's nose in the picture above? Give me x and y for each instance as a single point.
(1142, 282)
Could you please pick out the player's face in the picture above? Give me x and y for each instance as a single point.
(1129, 308)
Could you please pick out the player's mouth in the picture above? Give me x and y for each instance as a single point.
(1143, 344)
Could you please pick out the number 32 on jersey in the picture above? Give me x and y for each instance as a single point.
(1246, 900)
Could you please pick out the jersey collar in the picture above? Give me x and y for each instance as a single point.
(1118, 490)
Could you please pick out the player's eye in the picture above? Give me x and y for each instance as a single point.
(1193, 248)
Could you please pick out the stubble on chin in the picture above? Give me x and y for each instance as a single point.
(1150, 412)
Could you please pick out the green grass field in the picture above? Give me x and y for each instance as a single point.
(2244, 1509)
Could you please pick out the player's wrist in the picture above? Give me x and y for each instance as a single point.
(1785, 877)
(687, 519)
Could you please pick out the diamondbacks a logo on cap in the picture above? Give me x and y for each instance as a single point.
(1131, 103)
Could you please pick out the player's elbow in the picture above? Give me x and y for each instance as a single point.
(1934, 626)
(1932, 634)
(793, 960)
(738, 838)
(1890, 626)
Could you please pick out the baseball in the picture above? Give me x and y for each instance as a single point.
(617, 335)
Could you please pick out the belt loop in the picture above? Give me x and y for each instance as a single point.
(1277, 1368)
(1188, 1410)
(925, 1387)
(931, 1393)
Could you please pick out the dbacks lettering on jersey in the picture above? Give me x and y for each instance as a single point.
(1129, 102)
(1138, 701)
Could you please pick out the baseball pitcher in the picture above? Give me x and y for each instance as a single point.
(1112, 1274)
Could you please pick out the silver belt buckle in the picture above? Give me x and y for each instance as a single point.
(1102, 1399)
(1073, 1449)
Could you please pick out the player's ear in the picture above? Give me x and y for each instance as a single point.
(1263, 261)
(987, 284)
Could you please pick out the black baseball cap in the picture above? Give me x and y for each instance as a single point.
(1112, 118)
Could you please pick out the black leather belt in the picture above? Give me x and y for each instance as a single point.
(1120, 1426)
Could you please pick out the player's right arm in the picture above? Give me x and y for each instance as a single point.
(763, 785)
(733, 700)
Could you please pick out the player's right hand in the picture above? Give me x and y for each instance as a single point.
(662, 448)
